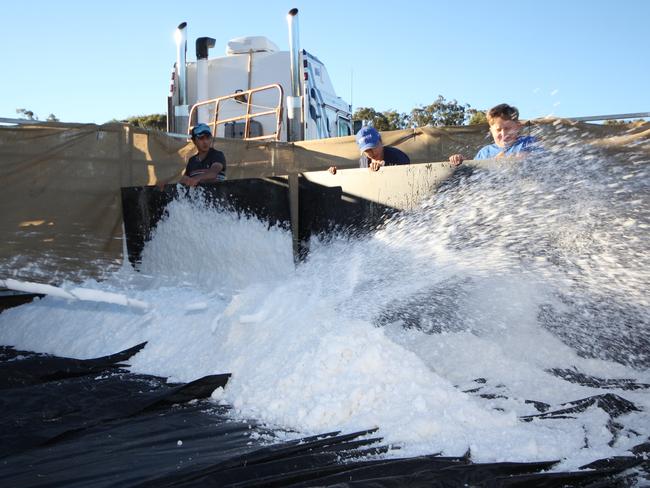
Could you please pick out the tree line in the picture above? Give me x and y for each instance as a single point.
(30, 115)
(440, 113)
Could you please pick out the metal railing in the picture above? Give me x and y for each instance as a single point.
(239, 97)
(594, 118)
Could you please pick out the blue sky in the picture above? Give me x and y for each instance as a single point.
(95, 61)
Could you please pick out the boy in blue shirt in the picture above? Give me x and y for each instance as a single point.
(505, 128)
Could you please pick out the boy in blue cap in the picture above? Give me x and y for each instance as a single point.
(374, 154)
(505, 128)
(208, 165)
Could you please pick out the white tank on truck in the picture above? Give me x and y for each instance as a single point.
(255, 91)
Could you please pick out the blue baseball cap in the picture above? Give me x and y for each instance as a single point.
(200, 129)
(367, 138)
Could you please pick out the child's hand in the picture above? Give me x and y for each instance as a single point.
(375, 165)
(456, 159)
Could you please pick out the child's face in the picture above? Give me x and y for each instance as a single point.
(375, 153)
(504, 132)
(203, 142)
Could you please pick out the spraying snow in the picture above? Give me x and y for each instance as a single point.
(442, 328)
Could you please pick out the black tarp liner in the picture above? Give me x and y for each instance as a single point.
(69, 422)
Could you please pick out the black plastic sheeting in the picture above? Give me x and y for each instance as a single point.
(69, 422)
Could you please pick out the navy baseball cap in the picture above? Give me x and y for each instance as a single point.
(367, 138)
(200, 129)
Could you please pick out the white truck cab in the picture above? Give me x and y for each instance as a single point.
(255, 91)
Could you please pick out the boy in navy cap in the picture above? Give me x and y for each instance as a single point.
(374, 154)
(208, 165)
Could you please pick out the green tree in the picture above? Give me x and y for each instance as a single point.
(52, 118)
(477, 117)
(370, 115)
(28, 114)
(388, 120)
(624, 122)
(440, 113)
(614, 122)
(152, 121)
(396, 120)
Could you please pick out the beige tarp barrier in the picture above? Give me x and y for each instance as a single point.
(60, 199)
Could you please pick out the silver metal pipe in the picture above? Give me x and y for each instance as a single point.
(294, 100)
(638, 115)
(294, 52)
(181, 62)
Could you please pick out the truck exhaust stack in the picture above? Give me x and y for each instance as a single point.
(294, 101)
(181, 111)
(203, 45)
